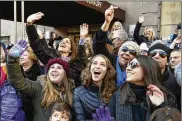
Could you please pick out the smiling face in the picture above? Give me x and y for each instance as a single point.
(25, 58)
(65, 46)
(116, 26)
(134, 73)
(125, 57)
(59, 116)
(98, 69)
(56, 73)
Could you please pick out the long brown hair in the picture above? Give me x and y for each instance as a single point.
(51, 95)
(108, 85)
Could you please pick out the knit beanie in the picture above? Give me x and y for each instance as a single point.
(160, 46)
(132, 44)
(59, 61)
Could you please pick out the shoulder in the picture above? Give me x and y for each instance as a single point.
(81, 90)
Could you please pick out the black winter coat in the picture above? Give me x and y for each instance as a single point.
(140, 38)
(44, 53)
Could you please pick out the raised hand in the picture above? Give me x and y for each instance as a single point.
(109, 14)
(18, 49)
(83, 30)
(156, 96)
(177, 40)
(141, 19)
(34, 17)
(102, 114)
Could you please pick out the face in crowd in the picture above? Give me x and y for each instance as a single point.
(65, 46)
(98, 69)
(175, 58)
(59, 116)
(56, 73)
(135, 72)
(116, 26)
(160, 56)
(149, 33)
(126, 54)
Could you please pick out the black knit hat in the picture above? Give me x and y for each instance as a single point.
(160, 46)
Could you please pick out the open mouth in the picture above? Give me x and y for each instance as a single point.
(54, 74)
(97, 73)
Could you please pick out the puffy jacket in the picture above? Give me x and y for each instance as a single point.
(11, 105)
(85, 102)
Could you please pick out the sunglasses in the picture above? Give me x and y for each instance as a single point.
(133, 64)
(162, 54)
(143, 52)
(126, 49)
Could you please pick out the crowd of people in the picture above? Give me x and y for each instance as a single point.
(104, 78)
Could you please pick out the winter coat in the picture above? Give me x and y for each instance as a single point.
(32, 73)
(44, 53)
(140, 38)
(124, 99)
(169, 81)
(34, 89)
(11, 104)
(85, 102)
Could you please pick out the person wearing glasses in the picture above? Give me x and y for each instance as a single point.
(127, 51)
(160, 53)
(143, 49)
(142, 92)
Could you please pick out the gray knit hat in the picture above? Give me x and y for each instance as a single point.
(134, 45)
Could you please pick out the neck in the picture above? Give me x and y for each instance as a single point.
(163, 70)
(27, 66)
(64, 54)
(139, 83)
(98, 83)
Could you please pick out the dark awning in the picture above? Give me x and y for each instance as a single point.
(61, 13)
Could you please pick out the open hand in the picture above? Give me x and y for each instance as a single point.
(18, 49)
(156, 96)
(83, 30)
(34, 17)
(141, 19)
(109, 13)
(102, 114)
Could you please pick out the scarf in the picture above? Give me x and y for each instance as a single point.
(121, 74)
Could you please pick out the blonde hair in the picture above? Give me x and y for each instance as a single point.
(108, 85)
(32, 56)
(51, 95)
(152, 30)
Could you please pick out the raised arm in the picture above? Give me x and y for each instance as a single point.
(15, 75)
(39, 46)
(136, 35)
(99, 41)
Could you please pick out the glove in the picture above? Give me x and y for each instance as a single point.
(18, 49)
(102, 114)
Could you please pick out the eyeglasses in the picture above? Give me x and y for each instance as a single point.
(143, 52)
(126, 49)
(133, 64)
(162, 53)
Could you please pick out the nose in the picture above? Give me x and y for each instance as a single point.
(157, 56)
(128, 68)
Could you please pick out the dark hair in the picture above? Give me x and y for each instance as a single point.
(63, 107)
(152, 75)
(166, 113)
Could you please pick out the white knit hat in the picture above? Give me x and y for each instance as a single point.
(132, 44)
